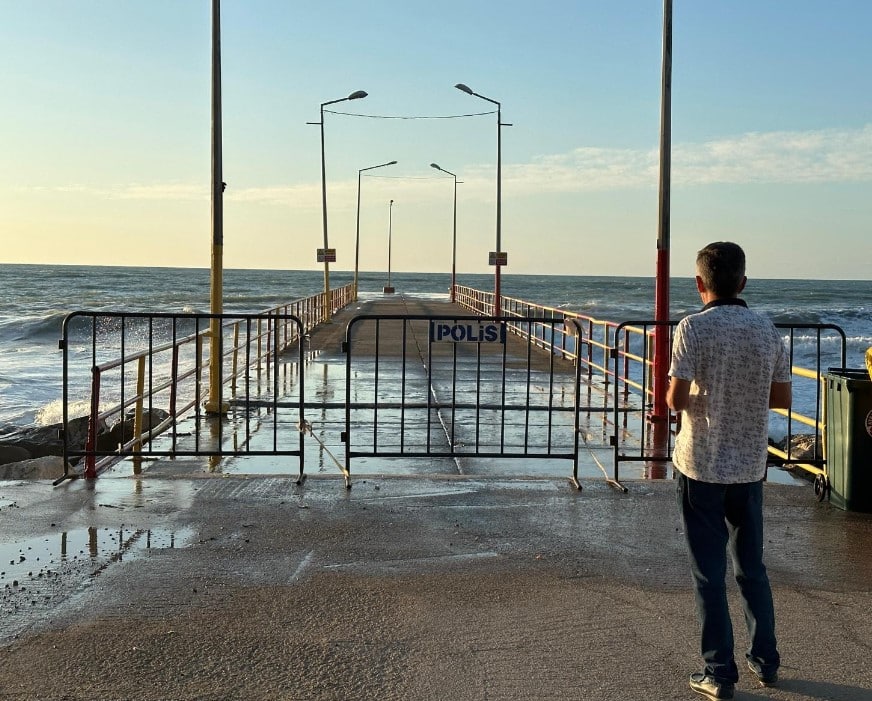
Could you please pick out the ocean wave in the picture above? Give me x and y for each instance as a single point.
(46, 326)
(253, 301)
(53, 412)
(829, 338)
(798, 317)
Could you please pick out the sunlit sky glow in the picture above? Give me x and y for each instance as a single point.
(105, 133)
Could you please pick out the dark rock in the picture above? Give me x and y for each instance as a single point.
(802, 447)
(13, 453)
(17, 444)
(122, 431)
(42, 441)
(50, 467)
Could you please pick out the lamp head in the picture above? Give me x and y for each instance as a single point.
(392, 163)
(435, 165)
(465, 88)
(357, 95)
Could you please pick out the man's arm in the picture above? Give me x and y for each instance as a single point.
(678, 394)
(780, 395)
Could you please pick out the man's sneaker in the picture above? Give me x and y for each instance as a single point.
(709, 687)
(769, 678)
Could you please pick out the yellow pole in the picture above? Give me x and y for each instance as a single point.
(137, 416)
(259, 348)
(214, 404)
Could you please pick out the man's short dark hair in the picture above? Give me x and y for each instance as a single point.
(721, 265)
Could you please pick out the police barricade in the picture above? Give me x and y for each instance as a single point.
(811, 348)
(460, 388)
(149, 386)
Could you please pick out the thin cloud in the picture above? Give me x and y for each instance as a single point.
(783, 157)
(297, 195)
(585, 169)
(132, 191)
(172, 191)
(827, 156)
(780, 157)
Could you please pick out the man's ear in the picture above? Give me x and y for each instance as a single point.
(700, 285)
(742, 284)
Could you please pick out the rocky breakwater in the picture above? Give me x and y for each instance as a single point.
(36, 452)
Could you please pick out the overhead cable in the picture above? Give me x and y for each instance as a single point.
(385, 116)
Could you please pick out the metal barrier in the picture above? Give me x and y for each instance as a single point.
(144, 376)
(633, 350)
(656, 439)
(467, 387)
(496, 386)
(816, 464)
(620, 356)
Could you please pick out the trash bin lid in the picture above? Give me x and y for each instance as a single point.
(849, 375)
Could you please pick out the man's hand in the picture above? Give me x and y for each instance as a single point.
(780, 395)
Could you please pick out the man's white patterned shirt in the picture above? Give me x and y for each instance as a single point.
(731, 356)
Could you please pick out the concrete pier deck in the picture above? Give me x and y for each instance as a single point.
(192, 584)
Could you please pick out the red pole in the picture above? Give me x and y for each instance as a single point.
(174, 381)
(93, 422)
(662, 351)
(454, 248)
(498, 294)
(661, 291)
(659, 416)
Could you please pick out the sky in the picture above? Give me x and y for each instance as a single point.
(105, 133)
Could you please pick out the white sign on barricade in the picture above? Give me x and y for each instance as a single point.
(467, 332)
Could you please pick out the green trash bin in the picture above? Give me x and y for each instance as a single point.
(849, 438)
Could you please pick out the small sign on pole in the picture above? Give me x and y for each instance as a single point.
(326, 255)
(498, 258)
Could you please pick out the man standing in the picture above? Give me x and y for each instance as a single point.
(729, 367)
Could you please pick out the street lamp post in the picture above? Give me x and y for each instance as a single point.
(454, 231)
(389, 288)
(357, 237)
(214, 403)
(659, 416)
(498, 260)
(357, 95)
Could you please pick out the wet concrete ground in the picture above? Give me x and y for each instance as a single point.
(251, 588)
(191, 583)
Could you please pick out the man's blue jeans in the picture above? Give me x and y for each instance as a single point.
(716, 516)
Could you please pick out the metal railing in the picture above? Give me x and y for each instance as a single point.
(620, 356)
(144, 378)
(600, 337)
(655, 442)
(141, 378)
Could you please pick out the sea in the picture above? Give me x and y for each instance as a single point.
(34, 299)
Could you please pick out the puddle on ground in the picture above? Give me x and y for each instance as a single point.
(32, 565)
